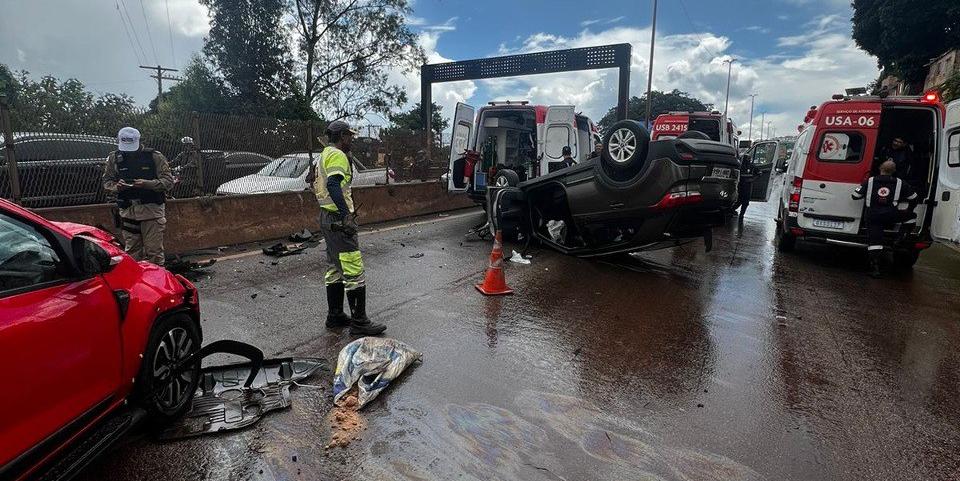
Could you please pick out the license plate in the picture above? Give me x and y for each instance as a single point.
(721, 172)
(481, 180)
(829, 224)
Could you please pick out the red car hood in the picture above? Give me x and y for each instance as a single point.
(75, 229)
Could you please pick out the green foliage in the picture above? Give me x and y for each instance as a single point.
(950, 90)
(674, 101)
(200, 90)
(346, 49)
(51, 105)
(905, 34)
(247, 47)
(412, 119)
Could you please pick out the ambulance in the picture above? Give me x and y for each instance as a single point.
(843, 143)
(671, 125)
(517, 136)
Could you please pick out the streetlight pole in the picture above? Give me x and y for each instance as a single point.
(726, 102)
(763, 115)
(750, 133)
(653, 37)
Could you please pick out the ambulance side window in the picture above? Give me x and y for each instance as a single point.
(953, 150)
(841, 147)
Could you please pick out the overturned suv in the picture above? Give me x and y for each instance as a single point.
(637, 195)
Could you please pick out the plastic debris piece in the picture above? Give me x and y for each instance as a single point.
(519, 259)
(417, 255)
(370, 363)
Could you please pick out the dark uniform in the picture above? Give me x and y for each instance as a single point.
(883, 194)
(142, 209)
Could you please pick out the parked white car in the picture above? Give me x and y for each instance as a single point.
(289, 173)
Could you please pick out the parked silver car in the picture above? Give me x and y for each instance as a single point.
(289, 173)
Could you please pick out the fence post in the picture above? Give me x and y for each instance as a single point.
(9, 150)
(195, 133)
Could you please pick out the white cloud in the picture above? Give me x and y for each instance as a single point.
(757, 28)
(587, 23)
(187, 17)
(814, 67)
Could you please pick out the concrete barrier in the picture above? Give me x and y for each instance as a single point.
(207, 222)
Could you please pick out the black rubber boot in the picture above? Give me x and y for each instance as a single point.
(875, 264)
(335, 314)
(361, 325)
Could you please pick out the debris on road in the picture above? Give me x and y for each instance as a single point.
(180, 265)
(417, 255)
(519, 259)
(345, 422)
(303, 236)
(370, 364)
(280, 249)
(235, 396)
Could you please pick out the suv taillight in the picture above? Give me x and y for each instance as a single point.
(677, 199)
(794, 204)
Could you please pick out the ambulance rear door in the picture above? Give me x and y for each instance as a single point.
(840, 159)
(946, 215)
(560, 130)
(463, 123)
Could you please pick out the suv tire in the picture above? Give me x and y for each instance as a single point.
(625, 146)
(172, 339)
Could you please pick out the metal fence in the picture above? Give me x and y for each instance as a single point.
(60, 163)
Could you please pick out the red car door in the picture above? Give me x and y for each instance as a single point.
(59, 343)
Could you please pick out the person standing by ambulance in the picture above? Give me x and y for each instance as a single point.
(338, 226)
(882, 194)
(140, 178)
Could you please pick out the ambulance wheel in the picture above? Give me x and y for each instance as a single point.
(903, 260)
(786, 241)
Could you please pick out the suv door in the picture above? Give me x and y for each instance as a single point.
(762, 155)
(463, 122)
(946, 216)
(59, 345)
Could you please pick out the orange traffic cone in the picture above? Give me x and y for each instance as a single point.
(494, 284)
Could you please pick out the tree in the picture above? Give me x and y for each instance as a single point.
(247, 47)
(346, 48)
(675, 101)
(905, 34)
(51, 105)
(951, 88)
(200, 90)
(413, 119)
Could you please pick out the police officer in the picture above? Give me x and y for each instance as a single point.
(339, 228)
(140, 178)
(883, 193)
(187, 163)
(567, 157)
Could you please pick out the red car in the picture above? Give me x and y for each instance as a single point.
(84, 328)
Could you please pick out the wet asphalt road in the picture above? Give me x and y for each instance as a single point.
(737, 364)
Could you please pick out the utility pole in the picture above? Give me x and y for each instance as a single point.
(763, 115)
(653, 37)
(160, 78)
(768, 128)
(750, 133)
(726, 102)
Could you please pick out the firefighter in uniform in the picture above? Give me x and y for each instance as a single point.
(140, 178)
(882, 195)
(339, 228)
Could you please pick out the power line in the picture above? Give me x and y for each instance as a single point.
(173, 56)
(146, 26)
(127, 31)
(692, 26)
(133, 29)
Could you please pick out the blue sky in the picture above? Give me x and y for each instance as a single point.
(792, 53)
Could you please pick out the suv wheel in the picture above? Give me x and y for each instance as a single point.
(625, 146)
(165, 394)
